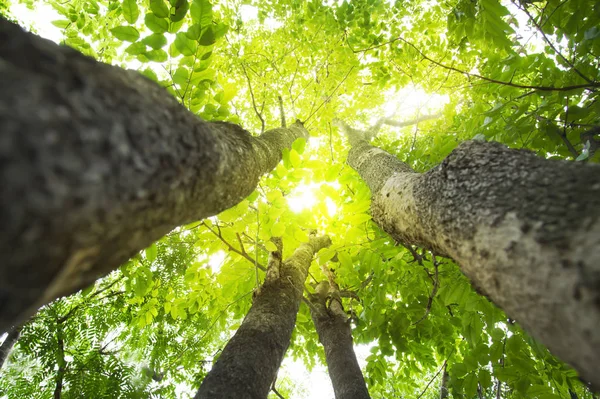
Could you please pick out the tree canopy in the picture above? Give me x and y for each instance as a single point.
(423, 75)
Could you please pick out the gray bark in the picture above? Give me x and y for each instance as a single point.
(525, 230)
(335, 334)
(248, 365)
(444, 384)
(96, 163)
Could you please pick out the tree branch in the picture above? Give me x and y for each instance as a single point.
(262, 121)
(469, 74)
(234, 249)
(539, 28)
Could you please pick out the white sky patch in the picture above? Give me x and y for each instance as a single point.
(215, 261)
(40, 18)
(302, 197)
(406, 103)
(248, 13)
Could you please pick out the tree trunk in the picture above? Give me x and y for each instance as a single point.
(525, 230)
(444, 383)
(8, 344)
(98, 162)
(248, 365)
(335, 334)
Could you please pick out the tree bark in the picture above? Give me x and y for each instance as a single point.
(8, 344)
(96, 163)
(248, 365)
(335, 334)
(525, 230)
(444, 383)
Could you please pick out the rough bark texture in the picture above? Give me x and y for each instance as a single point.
(96, 163)
(335, 334)
(248, 365)
(9, 342)
(525, 230)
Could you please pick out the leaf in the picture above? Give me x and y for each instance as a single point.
(270, 246)
(126, 33)
(157, 55)
(185, 45)
(156, 24)
(277, 229)
(470, 385)
(180, 11)
(151, 252)
(61, 23)
(208, 37)
(131, 12)
(295, 159)
(201, 12)
(194, 32)
(136, 48)
(159, 8)
(299, 145)
(155, 40)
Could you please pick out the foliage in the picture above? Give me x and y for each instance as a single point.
(525, 74)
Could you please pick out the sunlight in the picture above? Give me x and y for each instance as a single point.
(215, 261)
(411, 101)
(302, 197)
(41, 18)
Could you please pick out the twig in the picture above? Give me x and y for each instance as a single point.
(281, 112)
(434, 377)
(234, 249)
(436, 285)
(539, 28)
(262, 121)
(469, 74)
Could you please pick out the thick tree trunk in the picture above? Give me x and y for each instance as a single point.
(525, 230)
(96, 163)
(248, 365)
(335, 334)
(8, 344)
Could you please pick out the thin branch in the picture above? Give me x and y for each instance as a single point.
(422, 118)
(281, 111)
(436, 285)
(262, 121)
(469, 74)
(234, 249)
(539, 28)
(331, 95)
(434, 377)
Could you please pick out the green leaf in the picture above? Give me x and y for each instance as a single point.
(194, 32)
(151, 253)
(131, 12)
(157, 55)
(208, 37)
(136, 48)
(277, 229)
(156, 24)
(181, 76)
(159, 8)
(470, 385)
(180, 11)
(295, 159)
(61, 23)
(299, 145)
(184, 45)
(155, 40)
(270, 246)
(201, 12)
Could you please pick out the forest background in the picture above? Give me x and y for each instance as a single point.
(430, 75)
